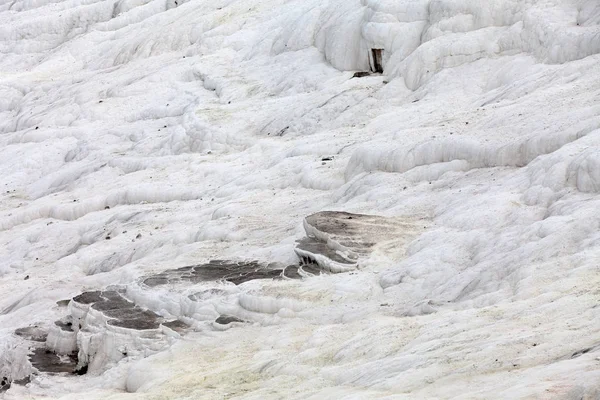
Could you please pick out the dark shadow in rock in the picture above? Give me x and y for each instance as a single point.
(32, 333)
(361, 74)
(65, 326)
(227, 319)
(579, 353)
(4, 384)
(176, 325)
(81, 371)
(585, 351)
(46, 361)
(314, 246)
(22, 382)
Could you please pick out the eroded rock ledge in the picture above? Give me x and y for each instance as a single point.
(337, 241)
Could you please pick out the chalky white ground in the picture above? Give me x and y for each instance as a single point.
(202, 126)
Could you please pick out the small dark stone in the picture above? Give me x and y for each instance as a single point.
(107, 238)
(227, 319)
(99, 101)
(26, 277)
(37, 127)
(107, 207)
(326, 158)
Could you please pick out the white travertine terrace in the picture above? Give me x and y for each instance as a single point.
(139, 136)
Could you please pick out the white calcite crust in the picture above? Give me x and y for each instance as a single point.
(140, 136)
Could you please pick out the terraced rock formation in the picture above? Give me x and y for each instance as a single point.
(103, 327)
(337, 241)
